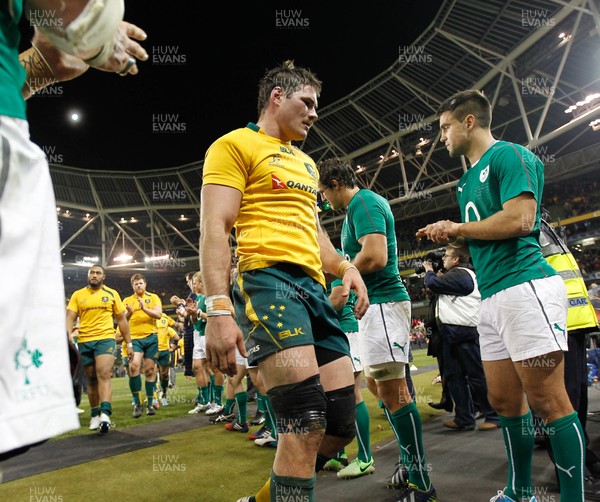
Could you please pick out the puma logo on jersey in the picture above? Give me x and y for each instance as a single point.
(483, 175)
(277, 184)
(460, 188)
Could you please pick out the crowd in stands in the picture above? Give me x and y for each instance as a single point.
(588, 260)
(562, 200)
(572, 198)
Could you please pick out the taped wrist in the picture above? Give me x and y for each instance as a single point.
(299, 408)
(92, 29)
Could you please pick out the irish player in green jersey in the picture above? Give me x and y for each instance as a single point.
(522, 324)
(369, 242)
(29, 240)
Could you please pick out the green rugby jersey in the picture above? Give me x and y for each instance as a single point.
(200, 325)
(505, 171)
(345, 315)
(370, 213)
(12, 74)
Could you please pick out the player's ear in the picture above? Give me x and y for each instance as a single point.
(277, 93)
(470, 121)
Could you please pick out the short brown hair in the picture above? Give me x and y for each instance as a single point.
(289, 78)
(137, 277)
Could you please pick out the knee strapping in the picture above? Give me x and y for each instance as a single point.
(299, 408)
(341, 412)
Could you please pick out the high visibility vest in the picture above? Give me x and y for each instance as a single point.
(581, 313)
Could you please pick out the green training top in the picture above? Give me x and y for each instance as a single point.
(12, 74)
(370, 213)
(505, 171)
(200, 325)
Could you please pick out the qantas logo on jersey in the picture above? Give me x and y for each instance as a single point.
(302, 186)
(483, 175)
(277, 184)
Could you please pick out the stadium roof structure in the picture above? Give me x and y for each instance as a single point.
(538, 61)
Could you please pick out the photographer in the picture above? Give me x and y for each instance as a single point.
(458, 313)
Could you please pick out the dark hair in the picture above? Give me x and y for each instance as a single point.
(289, 78)
(470, 102)
(336, 169)
(99, 266)
(189, 276)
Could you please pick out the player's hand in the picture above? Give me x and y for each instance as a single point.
(64, 66)
(222, 336)
(352, 280)
(126, 47)
(140, 303)
(175, 300)
(130, 353)
(74, 333)
(129, 308)
(441, 231)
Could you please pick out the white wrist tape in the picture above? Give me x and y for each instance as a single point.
(99, 59)
(94, 27)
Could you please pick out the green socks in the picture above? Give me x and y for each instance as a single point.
(407, 424)
(218, 394)
(150, 387)
(105, 407)
(228, 406)
(519, 442)
(292, 489)
(203, 395)
(270, 420)
(568, 444)
(241, 399)
(363, 434)
(260, 405)
(135, 385)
